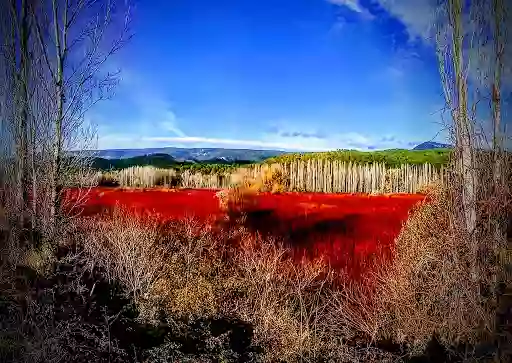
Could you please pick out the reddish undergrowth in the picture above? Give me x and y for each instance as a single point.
(350, 231)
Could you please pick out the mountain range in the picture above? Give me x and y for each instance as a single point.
(192, 154)
(429, 145)
(170, 155)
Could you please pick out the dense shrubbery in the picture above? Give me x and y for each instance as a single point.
(165, 161)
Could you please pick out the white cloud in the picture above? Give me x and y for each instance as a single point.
(170, 124)
(122, 141)
(290, 132)
(153, 111)
(298, 143)
(394, 72)
(351, 4)
(237, 143)
(417, 15)
(421, 19)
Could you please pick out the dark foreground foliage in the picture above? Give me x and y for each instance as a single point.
(73, 315)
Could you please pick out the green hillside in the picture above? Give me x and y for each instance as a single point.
(156, 160)
(391, 158)
(165, 161)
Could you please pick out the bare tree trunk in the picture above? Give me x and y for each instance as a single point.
(19, 43)
(463, 126)
(496, 92)
(24, 64)
(17, 189)
(34, 213)
(59, 83)
(33, 171)
(69, 69)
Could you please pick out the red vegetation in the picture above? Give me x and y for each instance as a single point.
(347, 229)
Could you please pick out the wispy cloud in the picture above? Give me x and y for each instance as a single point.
(388, 138)
(394, 72)
(421, 17)
(306, 135)
(297, 143)
(418, 16)
(220, 142)
(170, 124)
(122, 141)
(151, 113)
(290, 133)
(351, 4)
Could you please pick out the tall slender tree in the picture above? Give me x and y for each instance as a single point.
(53, 68)
(76, 38)
(472, 46)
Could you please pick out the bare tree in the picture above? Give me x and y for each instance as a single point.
(75, 38)
(53, 69)
(451, 38)
(472, 48)
(16, 64)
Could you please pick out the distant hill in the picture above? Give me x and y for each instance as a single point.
(192, 154)
(391, 158)
(166, 161)
(219, 158)
(429, 145)
(156, 160)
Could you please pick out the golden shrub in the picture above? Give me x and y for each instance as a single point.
(247, 183)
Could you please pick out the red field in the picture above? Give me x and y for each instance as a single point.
(345, 228)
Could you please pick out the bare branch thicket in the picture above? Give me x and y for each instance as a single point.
(5, 102)
(453, 69)
(16, 66)
(76, 39)
(451, 274)
(53, 58)
(472, 47)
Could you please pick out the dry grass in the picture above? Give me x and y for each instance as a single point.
(282, 301)
(428, 290)
(264, 178)
(39, 259)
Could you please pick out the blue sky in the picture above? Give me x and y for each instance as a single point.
(275, 74)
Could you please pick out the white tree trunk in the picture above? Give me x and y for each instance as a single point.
(57, 144)
(463, 124)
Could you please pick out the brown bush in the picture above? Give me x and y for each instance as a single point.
(282, 301)
(108, 179)
(190, 271)
(127, 248)
(428, 289)
(241, 195)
